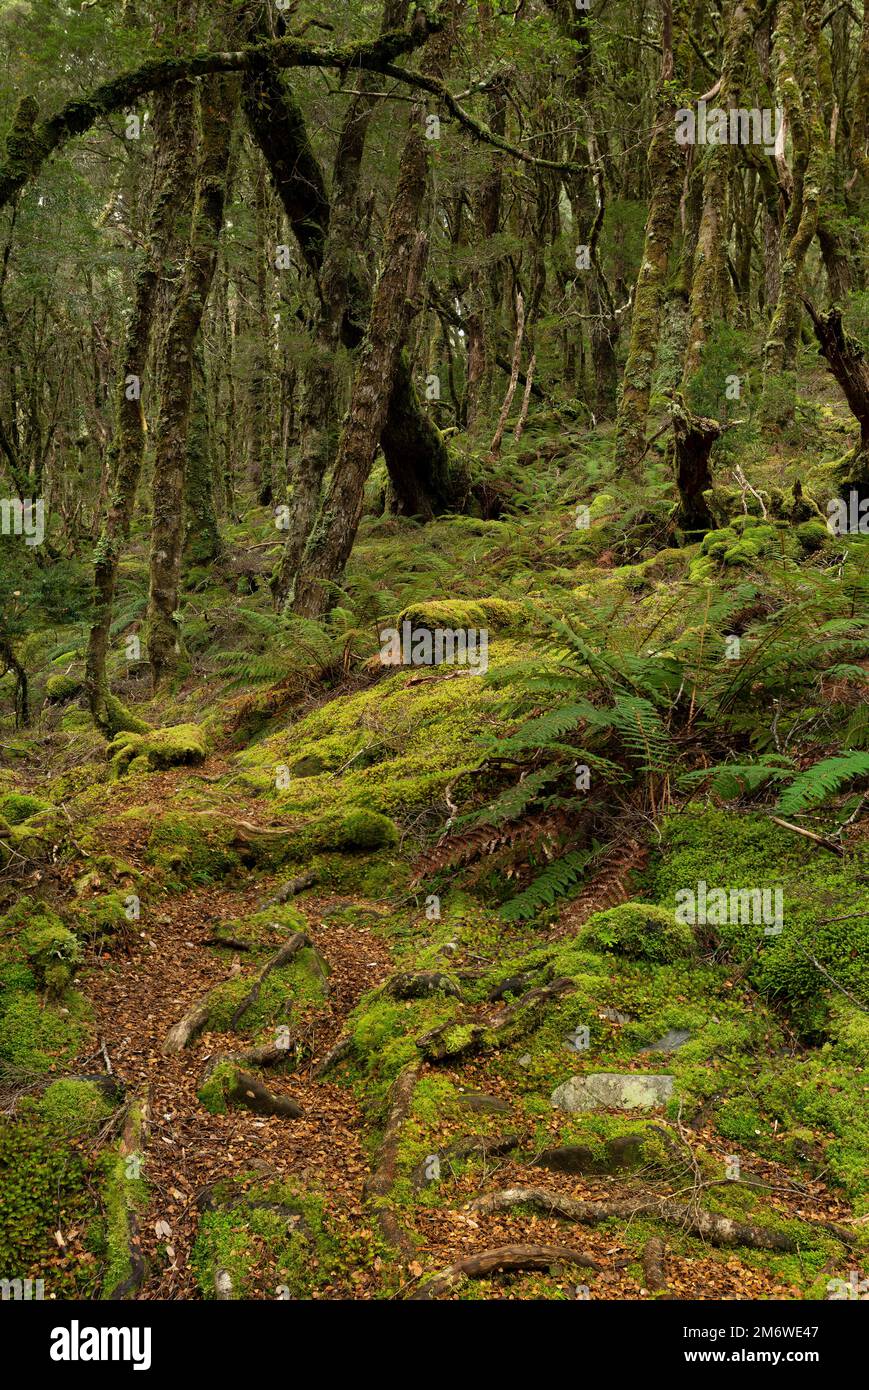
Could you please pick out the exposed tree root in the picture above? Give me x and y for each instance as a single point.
(292, 888)
(499, 1260)
(132, 1143)
(419, 984)
(182, 1033)
(251, 1094)
(335, 1054)
(296, 943)
(718, 1230)
(484, 1146)
(453, 1039)
(380, 1183)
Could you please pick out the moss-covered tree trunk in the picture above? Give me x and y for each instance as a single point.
(846, 361)
(331, 540)
(219, 98)
(203, 543)
(665, 175)
(710, 284)
(424, 482)
(173, 129)
(694, 436)
(797, 49)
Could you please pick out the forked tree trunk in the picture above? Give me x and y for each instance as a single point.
(331, 540)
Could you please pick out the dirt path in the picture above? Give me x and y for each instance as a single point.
(138, 995)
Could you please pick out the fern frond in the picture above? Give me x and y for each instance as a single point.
(818, 783)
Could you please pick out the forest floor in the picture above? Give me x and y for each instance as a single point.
(420, 1027)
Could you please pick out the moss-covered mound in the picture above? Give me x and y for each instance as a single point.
(180, 745)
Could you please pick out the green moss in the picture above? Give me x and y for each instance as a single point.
(812, 535)
(53, 954)
(193, 849)
(16, 807)
(301, 981)
(641, 931)
(747, 851)
(71, 1107)
(125, 1194)
(45, 1186)
(353, 828)
(182, 744)
(214, 1090)
(103, 916)
(37, 1036)
(265, 928)
(449, 614)
(60, 689)
(272, 1241)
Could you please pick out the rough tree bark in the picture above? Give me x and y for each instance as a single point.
(219, 98)
(173, 128)
(710, 284)
(846, 360)
(694, 436)
(331, 540)
(797, 50)
(665, 173)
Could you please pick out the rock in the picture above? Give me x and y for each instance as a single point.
(481, 1104)
(612, 1091)
(670, 1042)
(624, 1151)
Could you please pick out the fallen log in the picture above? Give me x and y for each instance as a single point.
(133, 1137)
(718, 1230)
(654, 1276)
(499, 1260)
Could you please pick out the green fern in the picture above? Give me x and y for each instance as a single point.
(818, 783)
(554, 882)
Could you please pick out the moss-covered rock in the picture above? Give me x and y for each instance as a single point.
(641, 931)
(180, 745)
(450, 614)
(61, 688)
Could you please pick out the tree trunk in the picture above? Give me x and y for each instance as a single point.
(694, 436)
(797, 46)
(203, 543)
(846, 360)
(710, 286)
(417, 459)
(665, 173)
(173, 128)
(219, 98)
(331, 540)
